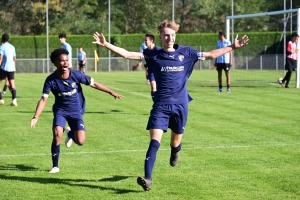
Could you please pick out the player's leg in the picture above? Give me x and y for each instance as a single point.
(6, 85)
(146, 181)
(219, 70)
(287, 77)
(57, 131)
(1, 100)
(11, 80)
(157, 125)
(76, 132)
(177, 125)
(227, 74)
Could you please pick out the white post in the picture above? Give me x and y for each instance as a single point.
(47, 33)
(298, 46)
(109, 34)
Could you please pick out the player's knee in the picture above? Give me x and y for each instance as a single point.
(80, 142)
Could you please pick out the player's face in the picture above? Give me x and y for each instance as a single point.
(62, 40)
(167, 36)
(148, 42)
(62, 63)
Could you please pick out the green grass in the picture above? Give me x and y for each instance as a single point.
(242, 145)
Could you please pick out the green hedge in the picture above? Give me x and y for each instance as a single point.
(35, 46)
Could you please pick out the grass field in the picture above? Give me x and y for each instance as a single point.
(242, 145)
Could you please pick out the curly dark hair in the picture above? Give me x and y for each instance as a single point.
(56, 53)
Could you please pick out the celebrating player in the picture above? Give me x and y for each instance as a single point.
(69, 105)
(172, 66)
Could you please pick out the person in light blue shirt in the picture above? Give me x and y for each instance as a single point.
(81, 56)
(223, 62)
(63, 40)
(8, 67)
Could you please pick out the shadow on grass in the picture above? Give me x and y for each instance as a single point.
(18, 168)
(57, 180)
(114, 178)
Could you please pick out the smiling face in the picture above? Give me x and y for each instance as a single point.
(167, 36)
(62, 63)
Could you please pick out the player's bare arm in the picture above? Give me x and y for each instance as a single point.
(236, 45)
(39, 109)
(103, 88)
(100, 40)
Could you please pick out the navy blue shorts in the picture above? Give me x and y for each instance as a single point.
(173, 116)
(75, 121)
(223, 66)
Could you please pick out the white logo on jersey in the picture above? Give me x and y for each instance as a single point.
(82, 125)
(66, 83)
(181, 57)
(70, 93)
(172, 69)
(171, 56)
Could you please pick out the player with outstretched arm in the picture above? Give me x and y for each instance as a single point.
(69, 105)
(172, 66)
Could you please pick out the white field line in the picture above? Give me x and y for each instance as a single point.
(144, 150)
(128, 91)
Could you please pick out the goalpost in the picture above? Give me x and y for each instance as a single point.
(266, 14)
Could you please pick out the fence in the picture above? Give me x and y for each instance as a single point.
(259, 62)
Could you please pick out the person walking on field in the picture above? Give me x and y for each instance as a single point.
(291, 60)
(69, 104)
(63, 40)
(8, 67)
(223, 62)
(172, 66)
(81, 56)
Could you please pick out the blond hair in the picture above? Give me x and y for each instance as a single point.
(168, 24)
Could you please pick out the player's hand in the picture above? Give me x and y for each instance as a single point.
(238, 43)
(296, 51)
(134, 67)
(33, 122)
(116, 95)
(100, 39)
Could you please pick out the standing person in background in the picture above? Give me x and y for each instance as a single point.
(291, 60)
(69, 104)
(172, 66)
(223, 62)
(6, 85)
(149, 41)
(135, 67)
(81, 56)
(63, 40)
(8, 67)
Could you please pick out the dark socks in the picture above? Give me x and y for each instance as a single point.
(55, 150)
(175, 149)
(72, 135)
(4, 88)
(150, 158)
(13, 93)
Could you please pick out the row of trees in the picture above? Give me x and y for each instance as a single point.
(28, 17)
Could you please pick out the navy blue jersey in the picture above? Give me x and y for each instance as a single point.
(68, 93)
(171, 71)
(150, 72)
